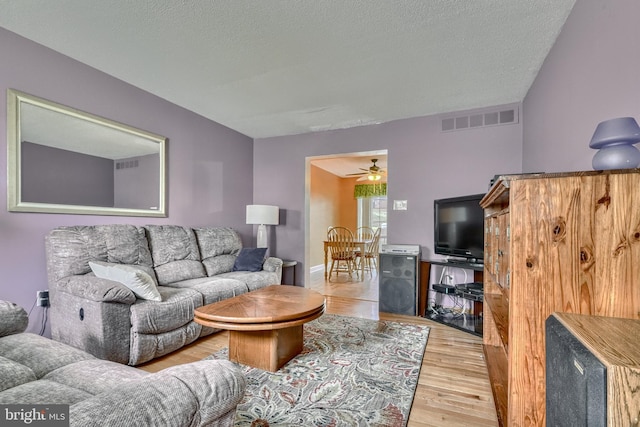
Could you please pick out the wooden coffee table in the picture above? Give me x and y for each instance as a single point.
(265, 326)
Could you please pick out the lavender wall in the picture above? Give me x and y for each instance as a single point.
(590, 75)
(423, 163)
(209, 166)
(86, 180)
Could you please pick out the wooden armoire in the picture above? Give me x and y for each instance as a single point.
(560, 242)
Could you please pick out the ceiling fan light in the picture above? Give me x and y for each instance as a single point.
(374, 177)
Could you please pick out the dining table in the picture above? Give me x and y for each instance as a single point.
(356, 245)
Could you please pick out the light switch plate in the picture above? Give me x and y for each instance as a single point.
(399, 205)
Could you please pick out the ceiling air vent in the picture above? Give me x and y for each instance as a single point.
(476, 120)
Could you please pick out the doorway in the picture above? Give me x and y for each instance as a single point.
(329, 199)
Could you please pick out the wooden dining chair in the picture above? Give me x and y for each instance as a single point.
(363, 234)
(372, 250)
(342, 252)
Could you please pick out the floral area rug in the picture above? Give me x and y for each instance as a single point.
(351, 372)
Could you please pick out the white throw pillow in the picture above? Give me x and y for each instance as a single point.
(141, 283)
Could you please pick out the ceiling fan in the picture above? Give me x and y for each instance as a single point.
(374, 173)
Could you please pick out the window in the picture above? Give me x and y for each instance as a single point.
(372, 212)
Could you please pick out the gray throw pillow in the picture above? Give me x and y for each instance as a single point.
(250, 259)
(13, 319)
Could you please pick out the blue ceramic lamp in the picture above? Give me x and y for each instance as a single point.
(614, 139)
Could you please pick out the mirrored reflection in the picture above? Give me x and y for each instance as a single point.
(62, 160)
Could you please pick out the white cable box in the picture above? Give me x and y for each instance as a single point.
(400, 249)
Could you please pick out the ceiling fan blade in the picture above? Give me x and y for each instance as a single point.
(372, 170)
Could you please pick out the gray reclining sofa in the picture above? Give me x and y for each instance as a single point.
(39, 371)
(192, 267)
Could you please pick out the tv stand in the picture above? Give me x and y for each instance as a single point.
(471, 323)
(470, 264)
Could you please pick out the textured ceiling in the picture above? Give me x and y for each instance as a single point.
(280, 67)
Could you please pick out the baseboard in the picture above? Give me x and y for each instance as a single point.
(317, 268)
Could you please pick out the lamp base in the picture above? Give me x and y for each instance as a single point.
(616, 156)
(262, 236)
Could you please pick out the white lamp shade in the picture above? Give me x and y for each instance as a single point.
(262, 214)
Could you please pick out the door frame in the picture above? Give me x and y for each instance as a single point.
(307, 199)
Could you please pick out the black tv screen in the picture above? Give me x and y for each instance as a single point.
(459, 227)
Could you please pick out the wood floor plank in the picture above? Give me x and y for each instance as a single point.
(453, 387)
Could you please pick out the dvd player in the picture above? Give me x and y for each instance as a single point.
(469, 286)
(444, 289)
(400, 249)
(469, 295)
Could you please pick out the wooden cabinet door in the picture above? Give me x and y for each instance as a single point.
(491, 248)
(503, 250)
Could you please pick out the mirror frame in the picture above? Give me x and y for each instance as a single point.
(14, 200)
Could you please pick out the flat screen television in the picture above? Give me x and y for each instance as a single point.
(459, 227)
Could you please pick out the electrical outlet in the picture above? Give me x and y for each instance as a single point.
(42, 298)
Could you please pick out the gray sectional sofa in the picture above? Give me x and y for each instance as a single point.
(189, 267)
(39, 371)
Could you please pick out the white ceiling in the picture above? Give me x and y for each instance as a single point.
(281, 67)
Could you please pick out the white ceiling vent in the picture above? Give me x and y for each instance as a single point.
(481, 119)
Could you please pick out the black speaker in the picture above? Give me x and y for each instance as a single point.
(576, 380)
(398, 283)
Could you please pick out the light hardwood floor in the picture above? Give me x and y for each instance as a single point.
(453, 387)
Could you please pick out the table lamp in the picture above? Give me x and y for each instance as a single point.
(614, 139)
(262, 215)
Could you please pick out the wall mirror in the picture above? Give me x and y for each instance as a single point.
(62, 160)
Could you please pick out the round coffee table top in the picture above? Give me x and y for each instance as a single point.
(272, 307)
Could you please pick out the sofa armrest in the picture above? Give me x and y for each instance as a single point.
(204, 393)
(13, 319)
(95, 289)
(272, 264)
